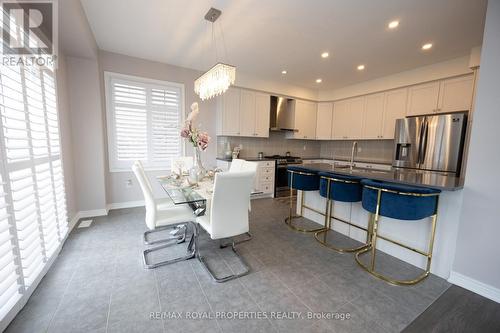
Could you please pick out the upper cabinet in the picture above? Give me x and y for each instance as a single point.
(262, 114)
(443, 96)
(348, 118)
(304, 114)
(247, 113)
(228, 113)
(242, 112)
(324, 118)
(373, 124)
(456, 94)
(394, 108)
(423, 98)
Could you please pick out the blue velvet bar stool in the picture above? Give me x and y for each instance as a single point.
(402, 202)
(342, 188)
(301, 179)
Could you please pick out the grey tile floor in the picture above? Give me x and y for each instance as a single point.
(98, 284)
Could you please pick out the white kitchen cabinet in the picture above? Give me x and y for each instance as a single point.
(448, 95)
(348, 118)
(262, 114)
(228, 113)
(264, 179)
(304, 120)
(324, 119)
(423, 98)
(455, 94)
(340, 119)
(394, 108)
(373, 122)
(247, 113)
(242, 112)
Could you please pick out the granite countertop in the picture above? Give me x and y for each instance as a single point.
(346, 159)
(246, 159)
(421, 178)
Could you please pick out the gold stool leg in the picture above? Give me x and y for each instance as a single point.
(372, 248)
(291, 217)
(328, 226)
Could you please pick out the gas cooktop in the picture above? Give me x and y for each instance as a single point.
(283, 159)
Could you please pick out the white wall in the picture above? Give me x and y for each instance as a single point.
(437, 71)
(476, 264)
(87, 132)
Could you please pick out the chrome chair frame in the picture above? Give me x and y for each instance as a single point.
(374, 236)
(212, 274)
(329, 216)
(177, 228)
(291, 216)
(169, 242)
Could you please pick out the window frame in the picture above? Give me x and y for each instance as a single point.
(110, 124)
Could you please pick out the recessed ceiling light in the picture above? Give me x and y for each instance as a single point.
(324, 55)
(427, 46)
(361, 67)
(318, 80)
(283, 72)
(393, 24)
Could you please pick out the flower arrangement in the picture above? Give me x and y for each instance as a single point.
(197, 138)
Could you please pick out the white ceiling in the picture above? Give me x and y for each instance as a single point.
(265, 37)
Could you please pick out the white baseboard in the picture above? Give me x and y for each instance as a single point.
(126, 204)
(476, 286)
(91, 213)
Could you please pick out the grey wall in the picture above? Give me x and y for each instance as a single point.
(477, 254)
(87, 132)
(116, 181)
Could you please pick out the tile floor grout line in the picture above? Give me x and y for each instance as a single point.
(159, 298)
(204, 294)
(111, 296)
(62, 297)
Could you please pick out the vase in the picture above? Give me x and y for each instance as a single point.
(197, 171)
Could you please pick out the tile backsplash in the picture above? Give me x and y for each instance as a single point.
(275, 144)
(369, 150)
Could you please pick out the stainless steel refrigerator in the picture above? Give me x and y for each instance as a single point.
(432, 142)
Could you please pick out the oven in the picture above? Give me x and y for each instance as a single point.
(281, 188)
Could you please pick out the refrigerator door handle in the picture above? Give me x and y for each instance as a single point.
(419, 144)
(425, 139)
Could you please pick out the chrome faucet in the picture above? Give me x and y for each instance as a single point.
(353, 151)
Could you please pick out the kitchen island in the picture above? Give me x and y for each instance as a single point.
(414, 233)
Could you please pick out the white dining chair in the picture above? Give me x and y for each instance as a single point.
(236, 165)
(161, 217)
(228, 214)
(243, 165)
(183, 162)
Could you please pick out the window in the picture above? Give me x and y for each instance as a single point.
(33, 221)
(144, 118)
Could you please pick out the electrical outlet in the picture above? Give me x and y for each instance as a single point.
(128, 183)
(359, 149)
(305, 147)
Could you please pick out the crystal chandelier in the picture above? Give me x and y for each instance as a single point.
(217, 79)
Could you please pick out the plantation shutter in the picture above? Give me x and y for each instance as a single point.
(9, 284)
(33, 218)
(144, 121)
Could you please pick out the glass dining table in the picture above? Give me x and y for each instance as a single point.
(182, 193)
(196, 196)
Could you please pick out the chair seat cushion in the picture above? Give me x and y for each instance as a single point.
(340, 191)
(400, 206)
(303, 182)
(174, 214)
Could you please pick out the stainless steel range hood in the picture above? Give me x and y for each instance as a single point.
(281, 114)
